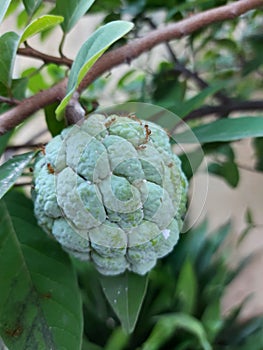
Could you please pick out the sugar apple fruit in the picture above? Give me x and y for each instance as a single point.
(111, 191)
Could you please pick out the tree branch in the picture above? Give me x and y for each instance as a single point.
(125, 54)
(9, 101)
(187, 73)
(32, 53)
(225, 109)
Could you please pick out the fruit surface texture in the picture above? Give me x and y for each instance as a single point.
(112, 191)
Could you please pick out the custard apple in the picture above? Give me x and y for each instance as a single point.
(111, 191)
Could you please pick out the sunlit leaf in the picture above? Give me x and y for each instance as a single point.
(12, 169)
(40, 24)
(89, 53)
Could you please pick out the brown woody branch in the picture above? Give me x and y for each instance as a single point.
(32, 53)
(125, 54)
(225, 109)
(9, 101)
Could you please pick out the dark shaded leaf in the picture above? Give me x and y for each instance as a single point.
(40, 304)
(3, 142)
(191, 162)
(227, 170)
(258, 147)
(54, 126)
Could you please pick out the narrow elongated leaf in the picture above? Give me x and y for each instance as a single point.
(8, 47)
(40, 304)
(125, 294)
(212, 319)
(39, 25)
(31, 5)
(224, 130)
(195, 102)
(258, 147)
(4, 4)
(167, 325)
(118, 340)
(12, 169)
(186, 288)
(72, 11)
(89, 53)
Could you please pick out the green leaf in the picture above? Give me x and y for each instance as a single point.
(36, 80)
(89, 53)
(168, 324)
(227, 170)
(258, 147)
(210, 246)
(8, 47)
(224, 130)
(72, 11)
(54, 126)
(90, 346)
(12, 169)
(195, 102)
(117, 341)
(4, 4)
(40, 304)
(186, 288)
(191, 162)
(31, 6)
(125, 294)
(39, 25)
(3, 142)
(212, 319)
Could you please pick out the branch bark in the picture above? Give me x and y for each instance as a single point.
(225, 109)
(32, 53)
(125, 54)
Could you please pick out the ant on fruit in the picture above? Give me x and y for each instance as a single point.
(50, 169)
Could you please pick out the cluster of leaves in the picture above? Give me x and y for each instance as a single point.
(42, 289)
(181, 310)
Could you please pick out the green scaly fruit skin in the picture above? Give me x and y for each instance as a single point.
(111, 191)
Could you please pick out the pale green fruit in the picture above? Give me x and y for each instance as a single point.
(111, 191)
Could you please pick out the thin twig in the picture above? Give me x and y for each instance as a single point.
(223, 110)
(9, 101)
(32, 53)
(125, 54)
(179, 67)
